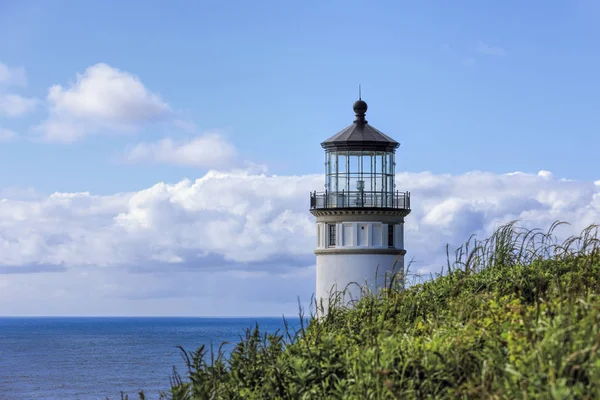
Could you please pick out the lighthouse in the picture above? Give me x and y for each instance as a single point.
(360, 214)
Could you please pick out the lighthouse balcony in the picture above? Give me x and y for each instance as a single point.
(360, 199)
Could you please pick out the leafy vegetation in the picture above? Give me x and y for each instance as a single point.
(513, 316)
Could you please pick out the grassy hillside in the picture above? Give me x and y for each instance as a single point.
(514, 316)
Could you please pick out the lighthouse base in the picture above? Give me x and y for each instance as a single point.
(343, 276)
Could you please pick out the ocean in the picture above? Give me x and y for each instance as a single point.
(97, 358)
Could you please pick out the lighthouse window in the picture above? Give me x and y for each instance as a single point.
(390, 235)
(331, 235)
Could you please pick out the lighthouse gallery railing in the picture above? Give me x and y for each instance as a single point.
(360, 199)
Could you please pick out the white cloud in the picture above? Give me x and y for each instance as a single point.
(244, 217)
(12, 75)
(231, 216)
(61, 131)
(210, 150)
(103, 98)
(192, 236)
(186, 126)
(13, 105)
(484, 48)
(103, 92)
(6, 135)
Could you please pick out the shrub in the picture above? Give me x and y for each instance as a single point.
(513, 316)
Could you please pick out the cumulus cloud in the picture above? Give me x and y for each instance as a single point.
(103, 92)
(61, 131)
(222, 218)
(485, 48)
(12, 75)
(240, 217)
(185, 125)
(182, 239)
(208, 150)
(104, 99)
(6, 135)
(14, 105)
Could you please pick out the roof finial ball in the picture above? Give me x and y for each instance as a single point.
(360, 109)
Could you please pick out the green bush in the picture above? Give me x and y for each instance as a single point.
(514, 316)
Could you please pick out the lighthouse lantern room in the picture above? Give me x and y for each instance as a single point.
(360, 214)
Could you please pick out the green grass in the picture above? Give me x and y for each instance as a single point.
(516, 316)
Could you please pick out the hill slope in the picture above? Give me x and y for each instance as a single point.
(514, 316)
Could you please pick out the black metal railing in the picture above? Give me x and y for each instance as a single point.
(360, 199)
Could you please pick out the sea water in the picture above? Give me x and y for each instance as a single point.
(98, 358)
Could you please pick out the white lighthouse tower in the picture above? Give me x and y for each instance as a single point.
(360, 215)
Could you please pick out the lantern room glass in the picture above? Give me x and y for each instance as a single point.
(359, 178)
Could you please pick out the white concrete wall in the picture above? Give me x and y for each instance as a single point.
(338, 270)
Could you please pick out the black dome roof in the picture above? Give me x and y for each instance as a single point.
(360, 135)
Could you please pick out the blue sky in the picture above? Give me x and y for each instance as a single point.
(280, 77)
(238, 86)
